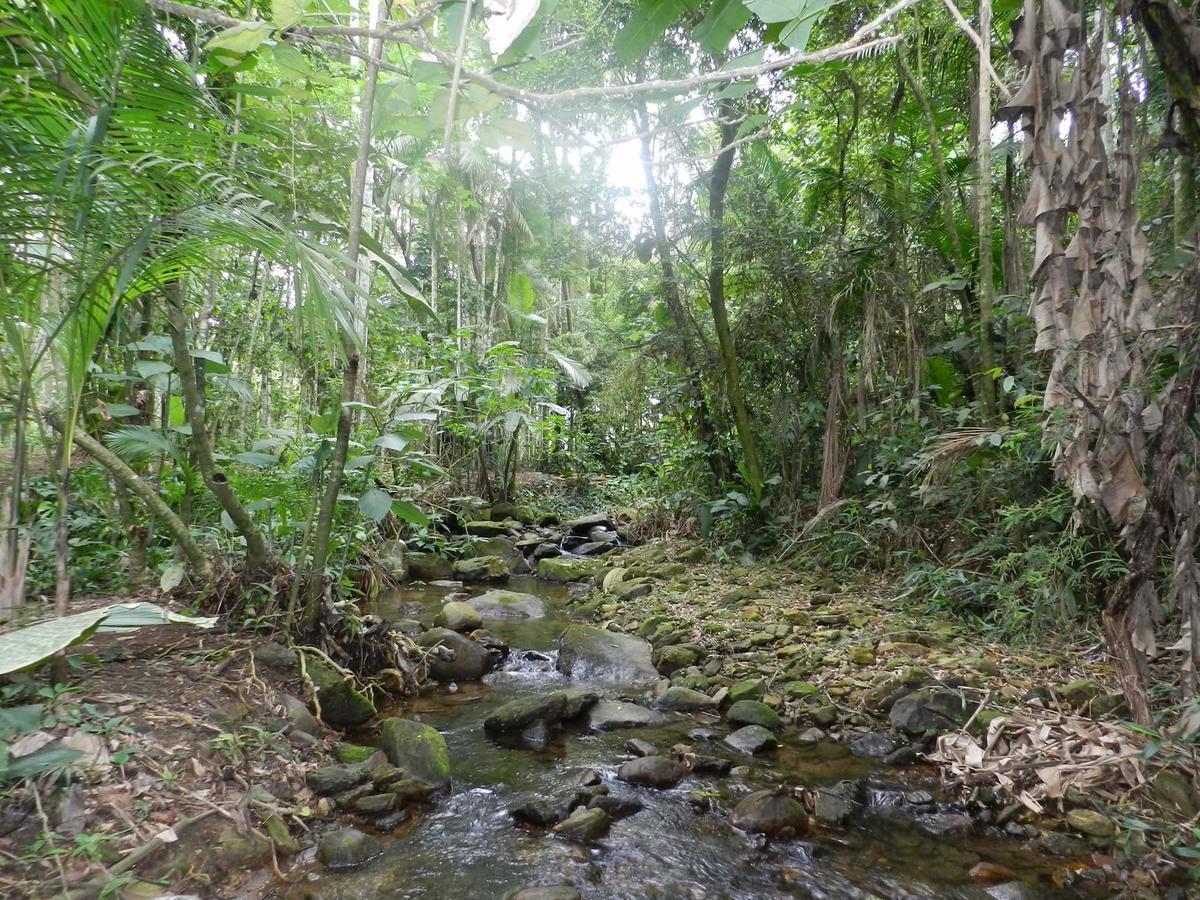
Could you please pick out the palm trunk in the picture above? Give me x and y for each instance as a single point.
(983, 205)
(257, 554)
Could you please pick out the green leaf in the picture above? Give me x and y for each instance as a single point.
(210, 355)
(724, 20)
(44, 760)
(776, 10)
(171, 578)
(291, 60)
(375, 504)
(258, 460)
(286, 13)
(124, 616)
(15, 720)
(243, 37)
(151, 343)
(795, 34)
(410, 513)
(391, 442)
(324, 424)
(148, 368)
(645, 26)
(117, 410)
(26, 647)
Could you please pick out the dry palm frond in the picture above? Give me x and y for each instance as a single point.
(941, 452)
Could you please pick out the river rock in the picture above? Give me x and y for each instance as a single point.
(748, 689)
(547, 892)
(458, 616)
(566, 568)
(591, 654)
(347, 848)
(553, 707)
(342, 704)
(928, 709)
(684, 699)
(610, 715)
(616, 807)
(652, 771)
(584, 825)
(275, 655)
(428, 566)
(772, 813)
(417, 748)
(507, 605)
(469, 660)
(752, 712)
(834, 804)
(583, 525)
(672, 659)
(481, 570)
(487, 529)
(1091, 823)
(546, 550)
(334, 779)
(874, 745)
(297, 713)
(751, 739)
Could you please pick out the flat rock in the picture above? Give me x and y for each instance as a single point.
(500, 605)
(751, 739)
(652, 771)
(556, 706)
(584, 824)
(609, 715)
(684, 699)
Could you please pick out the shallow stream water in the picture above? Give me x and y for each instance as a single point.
(468, 847)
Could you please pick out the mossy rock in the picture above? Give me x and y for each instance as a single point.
(429, 566)
(459, 616)
(351, 754)
(417, 748)
(567, 568)
(747, 689)
(481, 570)
(342, 704)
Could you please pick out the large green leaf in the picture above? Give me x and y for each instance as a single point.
(27, 647)
(776, 10)
(375, 504)
(796, 33)
(410, 513)
(286, 13)
(244, 37)
(724, 20)
(645, 26)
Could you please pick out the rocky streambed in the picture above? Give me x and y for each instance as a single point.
(554, 761)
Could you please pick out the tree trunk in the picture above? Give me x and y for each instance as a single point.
(257, 554)
(983, 208)
(718, 184)
(341, 446)
(139, 487)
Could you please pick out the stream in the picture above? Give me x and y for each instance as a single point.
(468, 846)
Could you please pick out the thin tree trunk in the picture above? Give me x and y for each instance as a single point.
(718, 185)
(983, 205)
(341, 447)
(139, 487)
(257, 554)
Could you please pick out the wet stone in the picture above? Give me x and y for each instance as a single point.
(609, 715)
(334, 779)
(347, 848)
(584, 824)
(774, 814)
(638, 747)
(752, 712)
(616, 807)
(874, 744)
(652, 771)
(751, 739)
(711, 765)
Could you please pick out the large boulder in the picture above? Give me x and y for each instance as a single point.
(772, 813)
(459, 616)
(585, 524)
(455, 657)
(567, 568)
(592, 654)
(502, 605)
(610, 715)
(481, 570)
(342, 704)
(428, 566)
(416, 748)
(929, 709)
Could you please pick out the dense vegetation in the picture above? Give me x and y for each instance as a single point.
(284, 281)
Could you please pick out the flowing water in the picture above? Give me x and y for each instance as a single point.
(468, 847)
